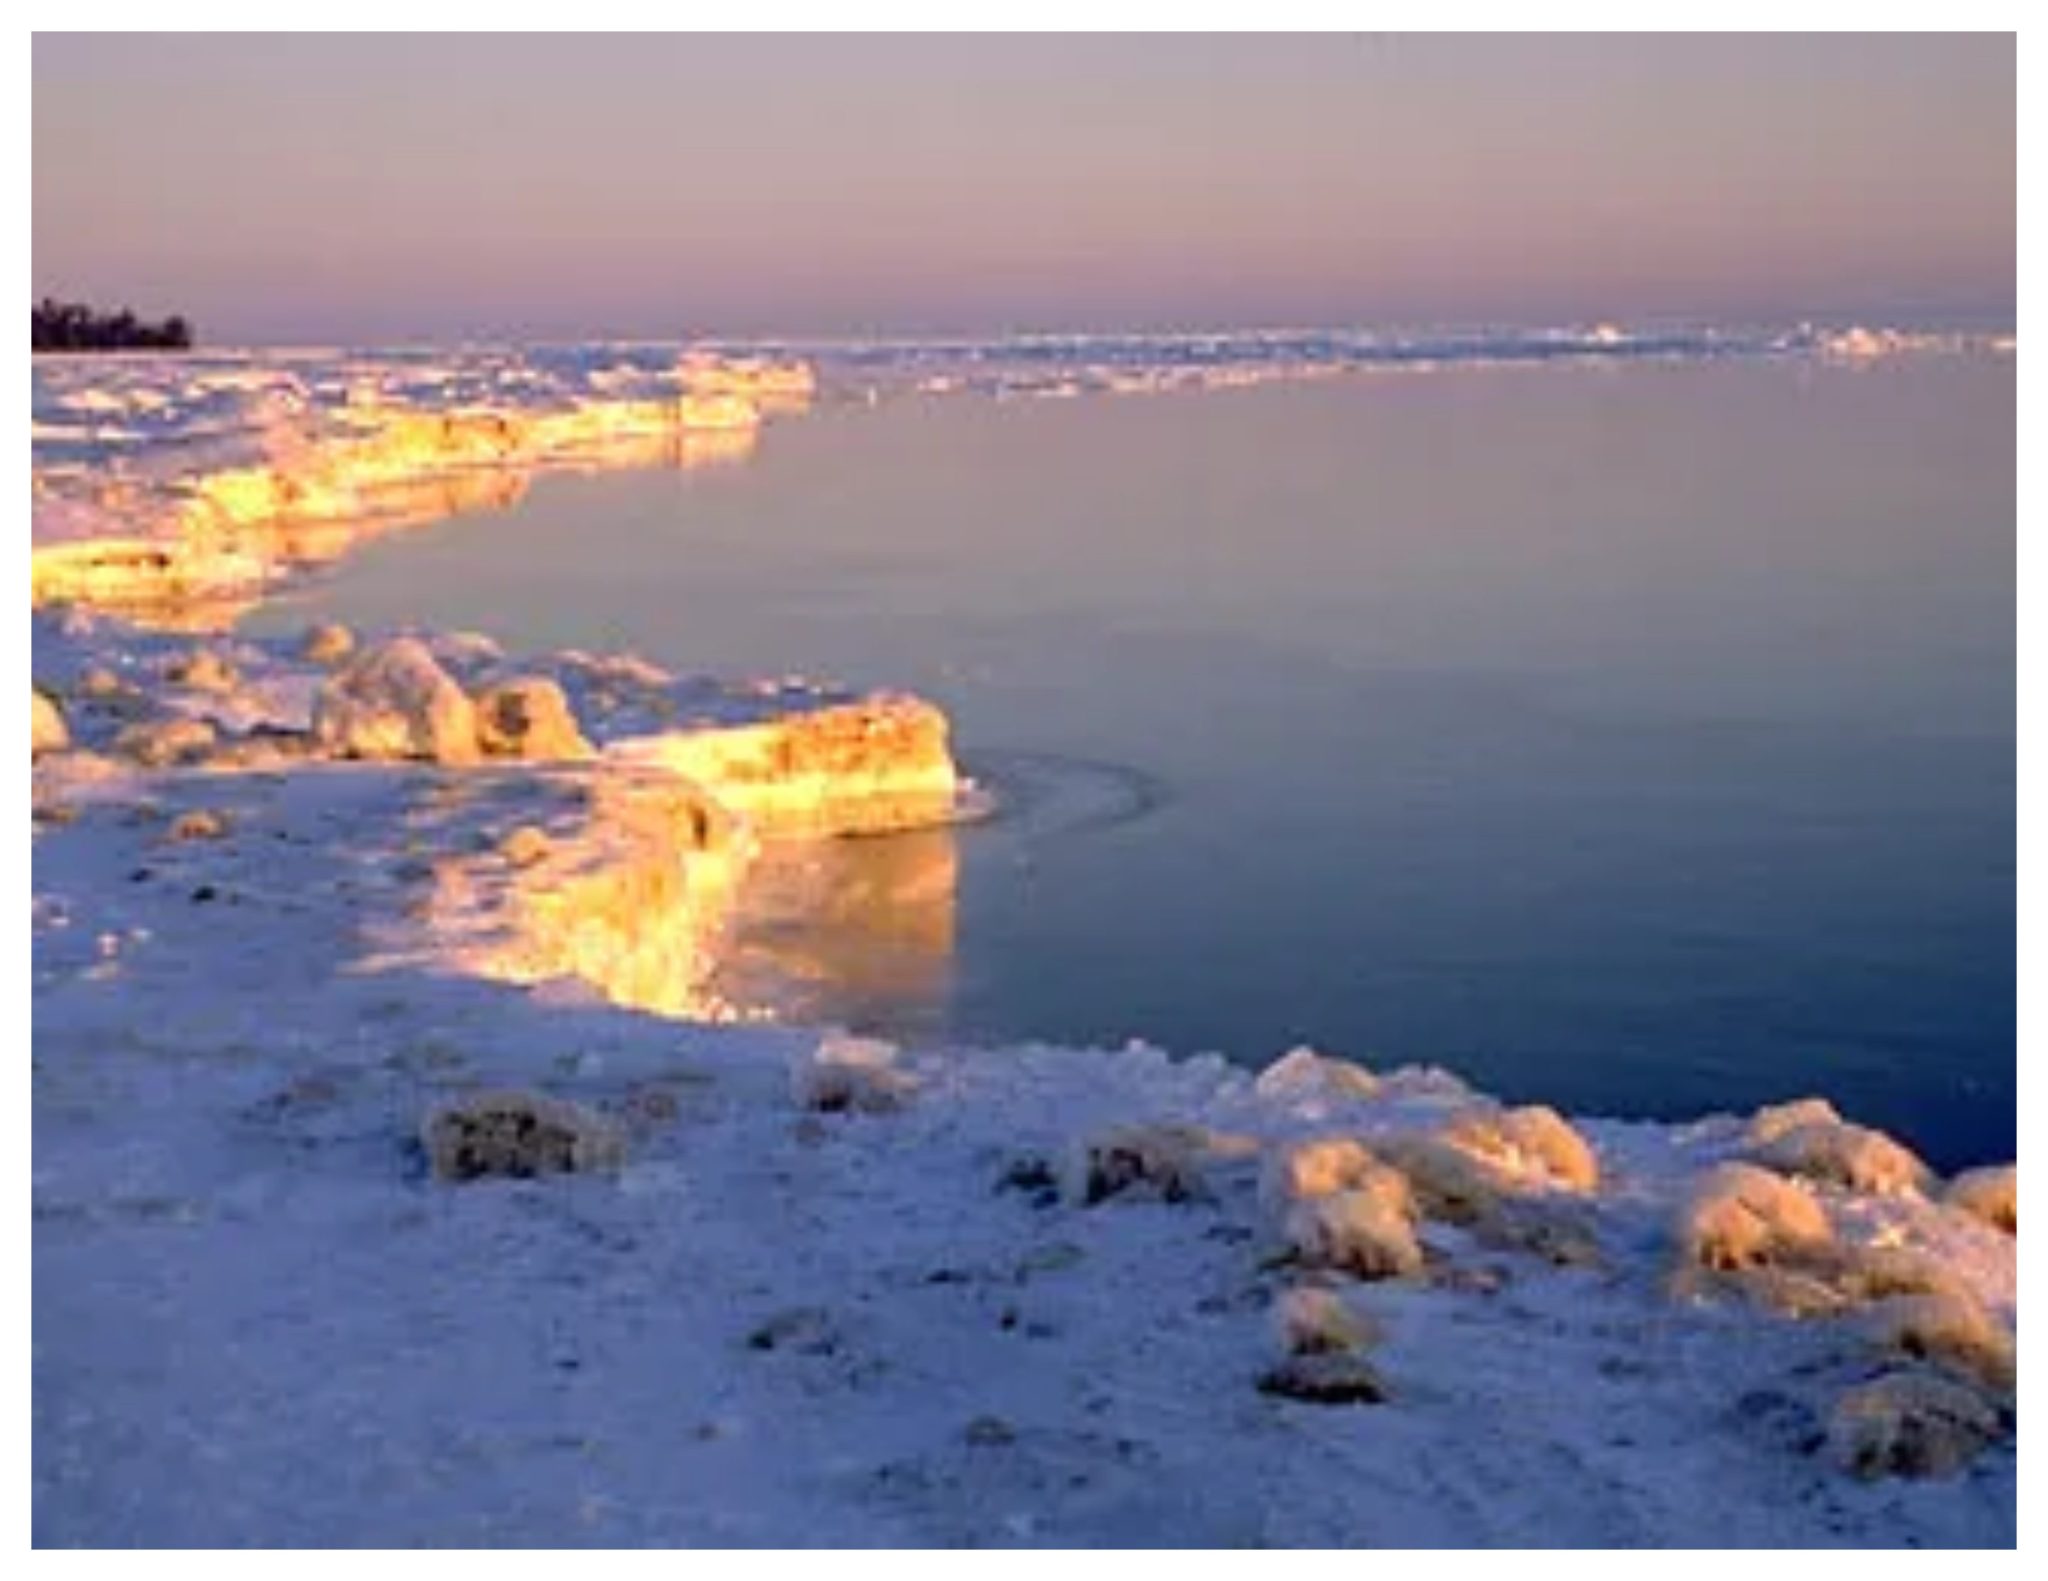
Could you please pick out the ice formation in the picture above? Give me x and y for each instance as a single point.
(1991, 1193)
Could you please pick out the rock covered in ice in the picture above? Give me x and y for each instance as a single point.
(1773, 1120)
(1317, 1166)
(528, 717)
(327, 644)
(1910, 1424)
(1449, 1184)
(1533, 1141)
(1325, 1378)
(202, 670)
(1310, 1320)
(1302, 1073)
(1740, 1215)
(525, 845)
(47, 730)
(200, 823)
(1841, 1154)
(1166, 1161)
(1368, 1231)
(1991, 1193)
(395, 701)
(1949, 1326)
(161, 743)
(518, 1134)
(849, 1073)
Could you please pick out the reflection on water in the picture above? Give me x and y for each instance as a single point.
(1639, 740)
(858, 932)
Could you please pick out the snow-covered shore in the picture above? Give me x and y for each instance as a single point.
(814, 1290)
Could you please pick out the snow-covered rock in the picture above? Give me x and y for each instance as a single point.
(849, 1073)
(202, 670)
(199, 823)
(1990, 1193)
(1740, 1215)
(161, 742)
(1449, 1183)
(1167, 1161)
(1304, 1075)
(395, 701)
(47, 730)
(528, 717)
(1950, 1327)
(1529, 1143)
(1773, 1120)
(520, 1135)
(1842, 1154)
(1311, 1319)
(327, 644)
(1325, 1378)
(1366, 1232)
(1316, 1166)
(1910, 1424)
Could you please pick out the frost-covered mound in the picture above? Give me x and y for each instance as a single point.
(347, 1232)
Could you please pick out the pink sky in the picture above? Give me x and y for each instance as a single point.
(372, 187)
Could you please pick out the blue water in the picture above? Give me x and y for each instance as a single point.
(1637, 738)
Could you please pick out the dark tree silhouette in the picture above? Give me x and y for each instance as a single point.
(72, 326)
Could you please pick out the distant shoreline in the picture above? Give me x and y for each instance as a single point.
(74, 327)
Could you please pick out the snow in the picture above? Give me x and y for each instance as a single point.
(805, 1289)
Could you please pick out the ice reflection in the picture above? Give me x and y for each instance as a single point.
(854, 932)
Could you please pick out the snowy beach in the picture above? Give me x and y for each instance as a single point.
(406, 1171)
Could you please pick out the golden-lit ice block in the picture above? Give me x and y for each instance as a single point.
(878, 764)
(630, 890)
(145, 578)
(194, 562)
(768, 385)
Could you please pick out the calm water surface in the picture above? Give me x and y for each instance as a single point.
(1639, 739)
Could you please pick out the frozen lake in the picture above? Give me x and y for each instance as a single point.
(1635, 738)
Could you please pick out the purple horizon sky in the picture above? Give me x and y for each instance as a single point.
(382, 187)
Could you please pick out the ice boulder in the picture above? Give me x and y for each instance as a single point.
(395, 701)
(1369, 1233)
(1319, 1165)
(528, 717)
(47, 730)
(1950, 1327)
(159, 743)
(1533, 1145)
(1450, 1184)
(327, 644)
(202, 670)
(1303, 1075)
(1773, 1120)
(1166, 1161)
(200, 823)
(1840, 1154)
(1991, 1194)
(1309, 1320)
(525, 845)
(849, 1073)
(1740, 1216)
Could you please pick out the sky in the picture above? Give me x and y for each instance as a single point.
(380, 188)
